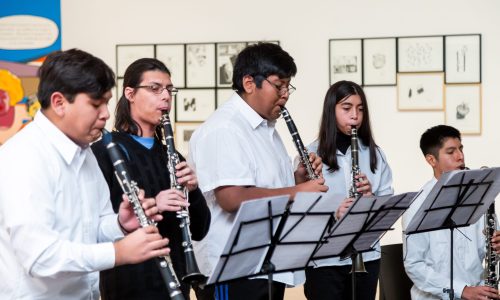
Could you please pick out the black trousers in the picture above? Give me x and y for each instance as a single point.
(334, 282)
(245, 289)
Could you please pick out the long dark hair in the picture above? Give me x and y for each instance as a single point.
(132, 78)
(328, 130)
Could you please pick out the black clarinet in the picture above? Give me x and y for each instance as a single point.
(303, 154)
(193, 274)
(130, 188)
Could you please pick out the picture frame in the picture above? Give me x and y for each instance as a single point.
(345, 60)
(463, 107)
(127, 54)
(194, 105)
(421, 54)
(379, 62)
(226, 56)
(463, 58)
(173, 56)
(200, 65)
(183, 133)
(223, 95)
(420, 91)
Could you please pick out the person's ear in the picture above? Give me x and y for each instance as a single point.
(129, 93)
(58, 103)
(248, 84)
(431, 160)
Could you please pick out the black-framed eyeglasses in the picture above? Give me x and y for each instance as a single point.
(158, 89)
(282, 89)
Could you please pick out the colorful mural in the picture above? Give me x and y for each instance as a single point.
(29, 30)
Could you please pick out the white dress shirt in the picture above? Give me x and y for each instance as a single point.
(339, 182)
(427, 256)
(54, 209)
(236, 146)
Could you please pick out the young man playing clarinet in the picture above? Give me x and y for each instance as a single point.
(427, 255)
(238, 155)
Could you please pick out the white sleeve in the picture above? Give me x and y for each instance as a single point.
(222, 157)
(28, 218)
(385, 187)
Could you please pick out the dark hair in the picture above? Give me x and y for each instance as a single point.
(433, 138)
(72, 72)
(132, 78)
(260, 61)
(328, 130)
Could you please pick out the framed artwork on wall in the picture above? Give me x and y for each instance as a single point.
(127, 54)
(346, 60)
(226, 56)
(420, 91)
(463, 107)
(194, 105)
(420, 54)
(379, 61)
(183, 133)
(463, 58)
(173, 57)
(200, 65)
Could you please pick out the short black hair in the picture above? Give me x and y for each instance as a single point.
(72, 72)
(260, 61)
(433, 139)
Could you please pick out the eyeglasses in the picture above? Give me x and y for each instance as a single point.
(282, 89)
(158, 89)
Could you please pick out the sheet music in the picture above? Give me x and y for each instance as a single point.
(476, 190)
(376, 214)
(254, 235)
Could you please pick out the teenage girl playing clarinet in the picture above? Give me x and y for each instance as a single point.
(345, 106)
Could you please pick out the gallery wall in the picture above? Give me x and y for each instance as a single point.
(304, 28)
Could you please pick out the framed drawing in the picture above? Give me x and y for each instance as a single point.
(127, 54)
(420, 54)
(223, 95)
(173, 57)
(463, 107)
(379, 61)
(183, 132)
(463, 58)
(226, 56)
(200, 65)
(420, 91)
(194, 105)
(345, 60)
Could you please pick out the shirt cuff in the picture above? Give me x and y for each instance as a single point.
(102, 256)
(459, 287)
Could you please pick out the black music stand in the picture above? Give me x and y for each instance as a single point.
(458, 199)
(267, 237)
(363, 225)
(261, 235)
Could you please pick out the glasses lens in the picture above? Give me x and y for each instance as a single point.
(173, 91)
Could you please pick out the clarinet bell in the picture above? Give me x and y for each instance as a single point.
(358, 266)
(193, 274)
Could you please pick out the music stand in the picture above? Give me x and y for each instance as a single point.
(260, 235)
(363, 225)
(458, 199)
(267, 237)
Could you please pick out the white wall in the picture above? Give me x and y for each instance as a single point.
(303, 29)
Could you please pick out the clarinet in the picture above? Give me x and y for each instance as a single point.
(358, 265)
(303, 154)
(130, 188)
(193, 274)
(491, 259)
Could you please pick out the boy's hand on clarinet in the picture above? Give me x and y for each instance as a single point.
(140, 245)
